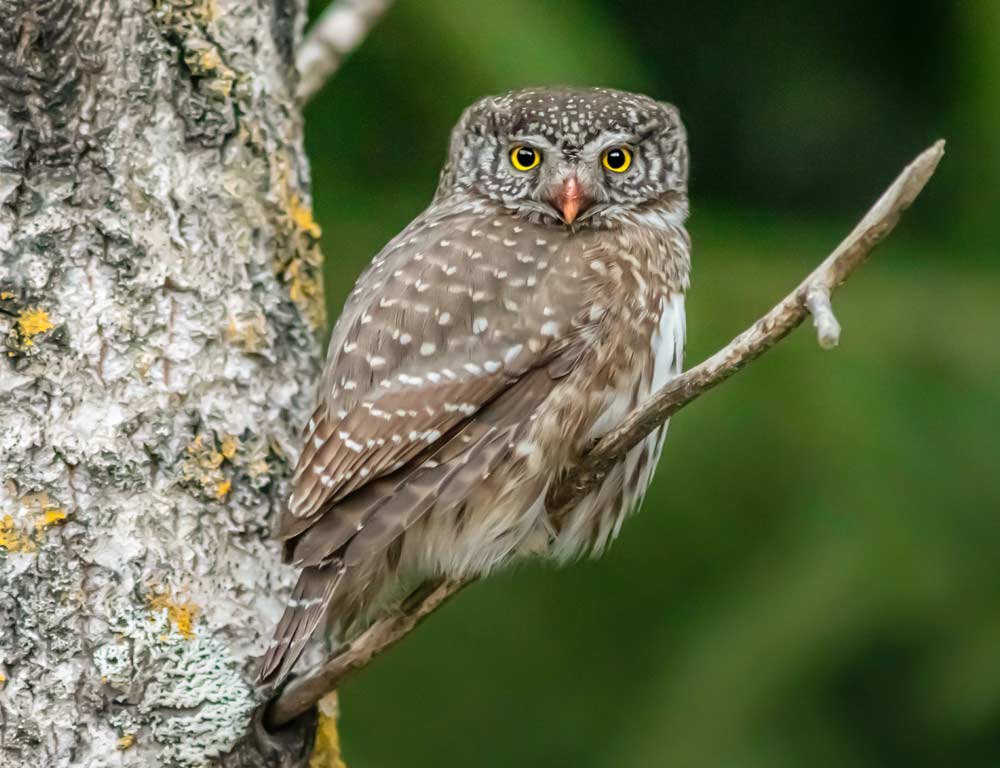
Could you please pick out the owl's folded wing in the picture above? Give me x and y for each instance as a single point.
(434, 332)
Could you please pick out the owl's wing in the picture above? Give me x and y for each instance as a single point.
(453, 314)
(448, 343)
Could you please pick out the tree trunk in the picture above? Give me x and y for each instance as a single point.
(159, 301)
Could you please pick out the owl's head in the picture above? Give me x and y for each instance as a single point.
(583, 156)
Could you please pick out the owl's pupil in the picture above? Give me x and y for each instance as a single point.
(616, 159)
(526, 156)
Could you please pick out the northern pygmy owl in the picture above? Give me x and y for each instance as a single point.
(537, 300)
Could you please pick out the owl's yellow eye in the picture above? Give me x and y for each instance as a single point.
(617, 159)
(525, 158)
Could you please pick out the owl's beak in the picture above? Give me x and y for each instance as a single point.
(570, 199)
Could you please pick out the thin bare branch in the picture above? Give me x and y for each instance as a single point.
(811, 296)
(332, 38)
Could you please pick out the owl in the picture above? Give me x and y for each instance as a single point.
(532, 305)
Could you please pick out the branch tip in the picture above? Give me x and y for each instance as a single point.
(827, 325)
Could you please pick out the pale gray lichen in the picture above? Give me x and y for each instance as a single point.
(201, 681)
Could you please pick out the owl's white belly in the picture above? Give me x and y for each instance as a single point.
(597, 519)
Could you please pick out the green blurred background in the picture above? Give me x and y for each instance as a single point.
(814, 577)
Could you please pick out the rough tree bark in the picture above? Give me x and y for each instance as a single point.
(159, 297)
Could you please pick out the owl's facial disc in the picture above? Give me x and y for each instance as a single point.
(570, 156)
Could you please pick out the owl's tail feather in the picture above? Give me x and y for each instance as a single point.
(306, 608)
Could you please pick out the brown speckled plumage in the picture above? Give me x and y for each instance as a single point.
(483, 349)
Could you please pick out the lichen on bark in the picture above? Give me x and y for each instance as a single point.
(159, 302)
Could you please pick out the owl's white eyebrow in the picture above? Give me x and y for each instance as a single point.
(612, 139)
(532, 139)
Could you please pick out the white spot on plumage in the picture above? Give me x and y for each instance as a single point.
(492, 366)
(428, 348)
(472, 368)
(479, 325)
(444, 318)
(356, 447)
(405, 339)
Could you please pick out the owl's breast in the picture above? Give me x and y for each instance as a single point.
(635, 297)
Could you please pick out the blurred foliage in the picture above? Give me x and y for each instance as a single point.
(813, 579)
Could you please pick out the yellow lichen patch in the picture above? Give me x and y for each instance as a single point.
(301, 263)
(13, 540)
(181, 614)
(306, 290)
(302, 215)
(223, 488)
(326, 745)
(230, 444)
(125, 742)
(209, 59)
(249, 334)
(31, 322)
(49, 518)
(14, 537)
(258, 468)
(3, 678)
(4, 295)
(202, 466)
(220, 87)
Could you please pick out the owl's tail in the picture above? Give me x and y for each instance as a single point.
(306, 608)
